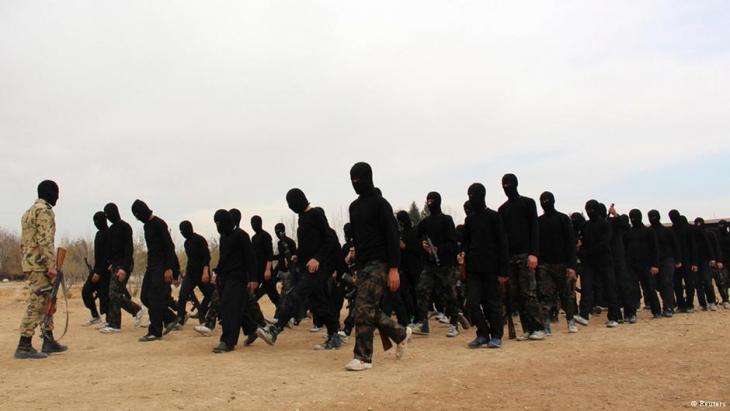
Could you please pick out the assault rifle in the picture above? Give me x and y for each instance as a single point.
(52, 291)
(434, 251)
(511, 332)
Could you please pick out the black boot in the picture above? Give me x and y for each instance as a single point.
(25, 350)
(50, 345)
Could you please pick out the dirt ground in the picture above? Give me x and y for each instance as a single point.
(655, 364)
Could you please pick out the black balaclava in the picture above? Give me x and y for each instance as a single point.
(547, 201)
(296, 200)
(460, 233)
(186, 229)
(112, 213)
(100, 220)
(509, 184)
(256, 224)
(223, 222)
(602, 210)
(467, 208)
(675, 217)
(578, 221)
(654, 218)
(404, 219)
(347, 229)
(699, 222)
(593, 210)
(235, 217)
(635, 218)
(361, 175)
(279, 230)
(624, 219)
(48, 190)
(435, 207)
(683, 220)
(477, 197)
(722, 225)
(140, 211)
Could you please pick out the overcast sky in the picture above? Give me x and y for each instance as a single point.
(193, 106)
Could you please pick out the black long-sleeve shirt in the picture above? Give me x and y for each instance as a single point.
(374, 230)
(705, 250)
(668, 243)
(120, 246)
(557, 239)
(641, 247)
(485, 243)
(196, 248)
(237, 261)
(160, 249)
(442, 232)
(715, 244)
(596, 247)
(519, 216)
(687, 245)
(410, 256)
(101, 248)
(314, 237)
(285, 246)
(263, 249)
(723, 237)
(619, 228)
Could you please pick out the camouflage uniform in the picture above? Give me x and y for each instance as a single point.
(371, 284)
(523, 291)
(442, 281)
(38, 255)
(119, 298)
(553, 285)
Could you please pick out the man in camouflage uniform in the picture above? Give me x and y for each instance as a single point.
(39, 265)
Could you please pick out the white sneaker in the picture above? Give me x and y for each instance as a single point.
(357, 365)
(580, 320)
(92, 321)
(537, 335)
(523, 337)
(453, 331)
(572, 328)
(400, 350)
(611, 324)
(713, 307)
(139, 316)
(101, 325)
(444, 319)
(726, 305)
(203, 330)
(110, 330)
(314, 329)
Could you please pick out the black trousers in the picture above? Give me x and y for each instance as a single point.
(648, 286)
(665, 283)
(705, 290)
(231, 310)
(605, 272)
(268, 287)
(484, 300)
(626, 288)
(186, 288)
(393, 302)
(313, 286)
(684, 286)
(154, 296)
(100, 290)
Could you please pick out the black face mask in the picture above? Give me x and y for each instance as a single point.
(547, 201)
(624, 219)
(578, 221)
(279, 230)
(256, 224)
(592, 210)
(467, 208)
(140, 211)
(699, 222)
(48, 190)
(347, 229)
(186, 229)
(477, 197)
(100, 221)
(635, 218)
(509, 184)
(435, 206)
(235, 217)
(223, 222)
(361, 175)
(404, 220)
(296, 200)
(675, 217)
(459, 233)
(722, 225)
(654, 218)
(112, 213)
(602, 211)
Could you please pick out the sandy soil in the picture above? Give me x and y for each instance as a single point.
(655, 364)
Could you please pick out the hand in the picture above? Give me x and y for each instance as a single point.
(313, 266)
(252, 286)
(350, 256)
(294, 259)
(121, 275)
(460, 258)
(176, 283)
(95, 278)
(205, 279)
(531, 262)
(571, 274)
(168, 276)
(393, 280)
(267, 275)
(654, 270)
(213, 278)
(52, 273)
(578, 244)
(428, 248)
(503, 280)
(719, 265)
(402, 245)
(612, 211)
(678, 265)
(286, 263)
(694, 269)
(713, 263)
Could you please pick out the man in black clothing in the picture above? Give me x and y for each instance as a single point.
(706, 256)
(236, 273)
(722, 276)
(313, 262)
(627, 287)
(286, 270)
(263, 249)
(685, 277)
(158, 275)
(669, 259)
(376, 242)
(438, 239)
(197, 272)
(519, 215)
(642, 251)
(595, 255)
(410, 261)
(120, 254)
(556, 275)
(98, 280)
(487, 264)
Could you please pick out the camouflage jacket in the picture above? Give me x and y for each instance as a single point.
(36, 241)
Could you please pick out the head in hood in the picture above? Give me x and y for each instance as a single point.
(140, 211)
(361, 175)
(593, 210)
(347, 229)
(112, 213)
(578, 221)
(100, 221)
(722, 226)
(654, 218)
(636, 218)
(257, 224)
(404, 220)
(674, 217)
(477, 197)
(296, 200)
(48, 190)
(433, 202)
(186, 229)
(235, 217)
(280, 230)
(699, 222)
(547, 202)
(509, 185)
(223, 222)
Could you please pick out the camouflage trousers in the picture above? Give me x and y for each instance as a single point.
(523, 293)
(442, 282)
(37, 304)
(553, 286)
(371, 284)
(119, 298)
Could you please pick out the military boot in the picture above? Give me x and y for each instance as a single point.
(50, 345)
(26, 351)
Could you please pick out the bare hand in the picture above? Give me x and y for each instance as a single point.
(267, 275)
(571, 274)
(678, 265)
(168, 276)
(252, 286)
(176, 283)
(719, 265)
(313, 266)
(205, 279)
(713, 263)
(121, 275)
(393, 280)
(531, 262)
(402, 245)
(502, 280)
(694, 269)
(294, 259)
(460, 258)
(95, 278)
(654, 270)
(428, 248)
